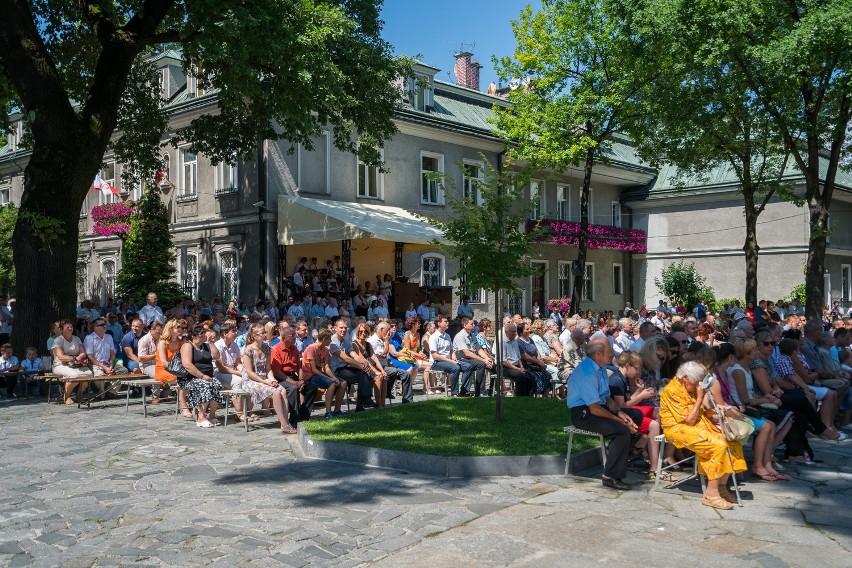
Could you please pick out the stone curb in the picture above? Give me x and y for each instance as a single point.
(442, 466)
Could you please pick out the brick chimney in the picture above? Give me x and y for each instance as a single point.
(467, 71)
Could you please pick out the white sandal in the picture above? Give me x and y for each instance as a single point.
(204, 424)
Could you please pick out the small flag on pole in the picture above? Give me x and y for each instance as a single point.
(103, 186)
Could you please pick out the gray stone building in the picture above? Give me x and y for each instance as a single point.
(239, 229)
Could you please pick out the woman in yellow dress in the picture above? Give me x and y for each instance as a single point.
(687, 424)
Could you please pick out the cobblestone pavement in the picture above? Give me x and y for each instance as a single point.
(106, 488)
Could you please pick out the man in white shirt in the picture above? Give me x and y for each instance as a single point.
(151, 311)
(512, 366)
(100, 350)
(624, 340)
(467, 351)
(7, 314)
(379, 342)
(443, 357)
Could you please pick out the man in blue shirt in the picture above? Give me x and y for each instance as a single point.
(593, 409)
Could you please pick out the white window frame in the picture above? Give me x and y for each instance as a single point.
(846, 291)
(164, 76)
(618, 283)
(563, 206)
(227, 177)
(81, 277)
(589, 283)
(167, 167)
(439, 194)
(186, 275)
(219, 254)
(616, 213)
(380, 178)
(103, 198)
(183, 191)
(14, 136)
(483, 298)
(192, 89)
(108, 287)
(468, 184)
(5, 191)
(442, 260)
(536, 192)
(564, 276)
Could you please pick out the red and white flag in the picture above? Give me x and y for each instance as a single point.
(103, 186)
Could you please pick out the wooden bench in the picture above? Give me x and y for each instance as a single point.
(79, 381)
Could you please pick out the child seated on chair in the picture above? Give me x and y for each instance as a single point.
(31, 366)
(9, 364)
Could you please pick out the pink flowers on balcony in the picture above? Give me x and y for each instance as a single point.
(112, 219)
(600, 236)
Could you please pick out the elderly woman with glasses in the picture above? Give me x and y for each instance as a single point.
(687, 423)
(259, 382)
(171, 339)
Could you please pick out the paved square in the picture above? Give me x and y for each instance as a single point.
(106, 488)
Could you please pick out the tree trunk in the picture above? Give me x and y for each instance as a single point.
(55, 184)
(814, 279)
(751, 249)
(579, 270)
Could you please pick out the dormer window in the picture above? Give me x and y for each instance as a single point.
(194, 81)
(13, 137)
(420, 87)
(164, 82)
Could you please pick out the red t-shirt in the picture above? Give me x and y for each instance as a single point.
(284, 359)
(316, 352)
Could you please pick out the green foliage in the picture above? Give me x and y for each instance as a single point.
(46, 228)
(457, 427)
(8, 218)
(147, 258)
(582, 79)
(799, 292)
(279, 70)
(795, 59)
(682, 284)
(488, 235)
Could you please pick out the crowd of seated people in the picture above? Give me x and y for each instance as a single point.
(621, 372)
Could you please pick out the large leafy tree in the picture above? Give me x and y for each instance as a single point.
(699, 114)
(483, 230)
(795, 56)
(79, 71)
(578, 83)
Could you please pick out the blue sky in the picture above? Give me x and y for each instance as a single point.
(435, 30)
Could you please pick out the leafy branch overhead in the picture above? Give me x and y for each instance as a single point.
(486, 227)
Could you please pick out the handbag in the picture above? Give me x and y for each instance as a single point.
(176, 368)
(737, 429)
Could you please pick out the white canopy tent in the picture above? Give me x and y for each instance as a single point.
(304, 220)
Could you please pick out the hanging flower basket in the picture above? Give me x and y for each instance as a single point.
(112, 219)
(561, 305)
(600, 236)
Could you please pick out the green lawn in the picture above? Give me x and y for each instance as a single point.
(457, 427)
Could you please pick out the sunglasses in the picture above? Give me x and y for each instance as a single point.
(684, 342)
(768, 343)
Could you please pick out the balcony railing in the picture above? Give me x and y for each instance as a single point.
(599, 236)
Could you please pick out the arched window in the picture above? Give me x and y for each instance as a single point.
(190, 275)
(82, 280)
(432, 271)
(228, 275)
(108, 278)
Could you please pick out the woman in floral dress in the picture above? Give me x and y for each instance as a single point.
(261, 387)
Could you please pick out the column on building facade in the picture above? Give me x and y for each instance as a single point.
(346, 259)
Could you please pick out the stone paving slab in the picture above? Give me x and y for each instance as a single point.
(108, 488)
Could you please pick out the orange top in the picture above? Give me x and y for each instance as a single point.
(160, 372)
